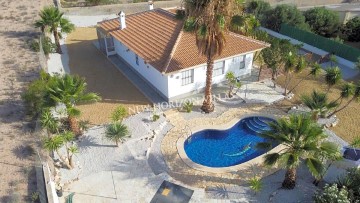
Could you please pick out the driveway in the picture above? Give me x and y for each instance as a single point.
(101, 76)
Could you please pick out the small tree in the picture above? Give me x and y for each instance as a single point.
(255, 184)
(117, 132)
(54, 144)
(293, 65)
(319, 104)
(285, 14)
(234, 84)
(352, 29)
(119, 113)
(323, 21)
(258, 8)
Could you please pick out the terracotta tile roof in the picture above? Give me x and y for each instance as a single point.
(157, 37)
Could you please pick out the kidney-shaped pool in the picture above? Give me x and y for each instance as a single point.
(224, 148)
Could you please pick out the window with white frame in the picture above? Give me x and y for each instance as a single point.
(238, 62)
(137, 59)
(187, 77)
(218, 68)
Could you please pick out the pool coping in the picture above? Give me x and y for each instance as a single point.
(256, 161)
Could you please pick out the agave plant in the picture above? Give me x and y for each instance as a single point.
(117, 132)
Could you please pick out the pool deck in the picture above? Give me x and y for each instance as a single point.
(192, 174)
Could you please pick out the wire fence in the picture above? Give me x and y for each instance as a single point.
(331, 46)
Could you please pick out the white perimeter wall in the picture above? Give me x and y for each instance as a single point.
(176, 89)
(157, 80)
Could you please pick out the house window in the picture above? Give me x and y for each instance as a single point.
(218, 68)
(238, 62)
(187, 77)
(137, 59)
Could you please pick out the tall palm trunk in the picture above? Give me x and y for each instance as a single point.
(208, 105)
(259, 75)
(342, 108)
(74, 125)
(71, 161)
(290, 179)
(57, 41)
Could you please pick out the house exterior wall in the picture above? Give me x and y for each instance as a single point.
(175, 88)
(170, 86)
(148, 72)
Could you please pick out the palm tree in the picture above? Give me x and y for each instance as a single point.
(209, 21)
(332, 77)
(318, 103)
(355, 92)
(347, 90)
(314, 71)
(117, 132)
(244, 24)
(289, 68)
(70, 91)
(262, 36)
(302, 139)
(53, 144)
(51, 18)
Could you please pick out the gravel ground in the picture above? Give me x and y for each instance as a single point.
(97, 154)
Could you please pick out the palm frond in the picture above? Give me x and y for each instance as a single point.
(271, 159)
(263, 145)
(315, 167)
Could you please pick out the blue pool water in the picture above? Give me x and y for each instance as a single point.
(223, 148)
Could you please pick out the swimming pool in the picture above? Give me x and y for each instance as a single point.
(224, 148)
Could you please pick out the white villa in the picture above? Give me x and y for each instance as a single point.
(155, 46)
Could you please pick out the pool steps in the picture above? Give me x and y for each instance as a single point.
(256, 124)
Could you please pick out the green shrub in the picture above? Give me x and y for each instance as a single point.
(36, 96)
(47, 46)
(255, 184)
(155, 117)
(188, 106)
(352, 182)
(119, 113)
(332, 194)
(35, 197)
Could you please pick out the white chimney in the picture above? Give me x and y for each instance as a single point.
(151, 5)
(122, 20)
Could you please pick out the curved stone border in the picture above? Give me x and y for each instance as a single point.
(182, 172)
(255, 161)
